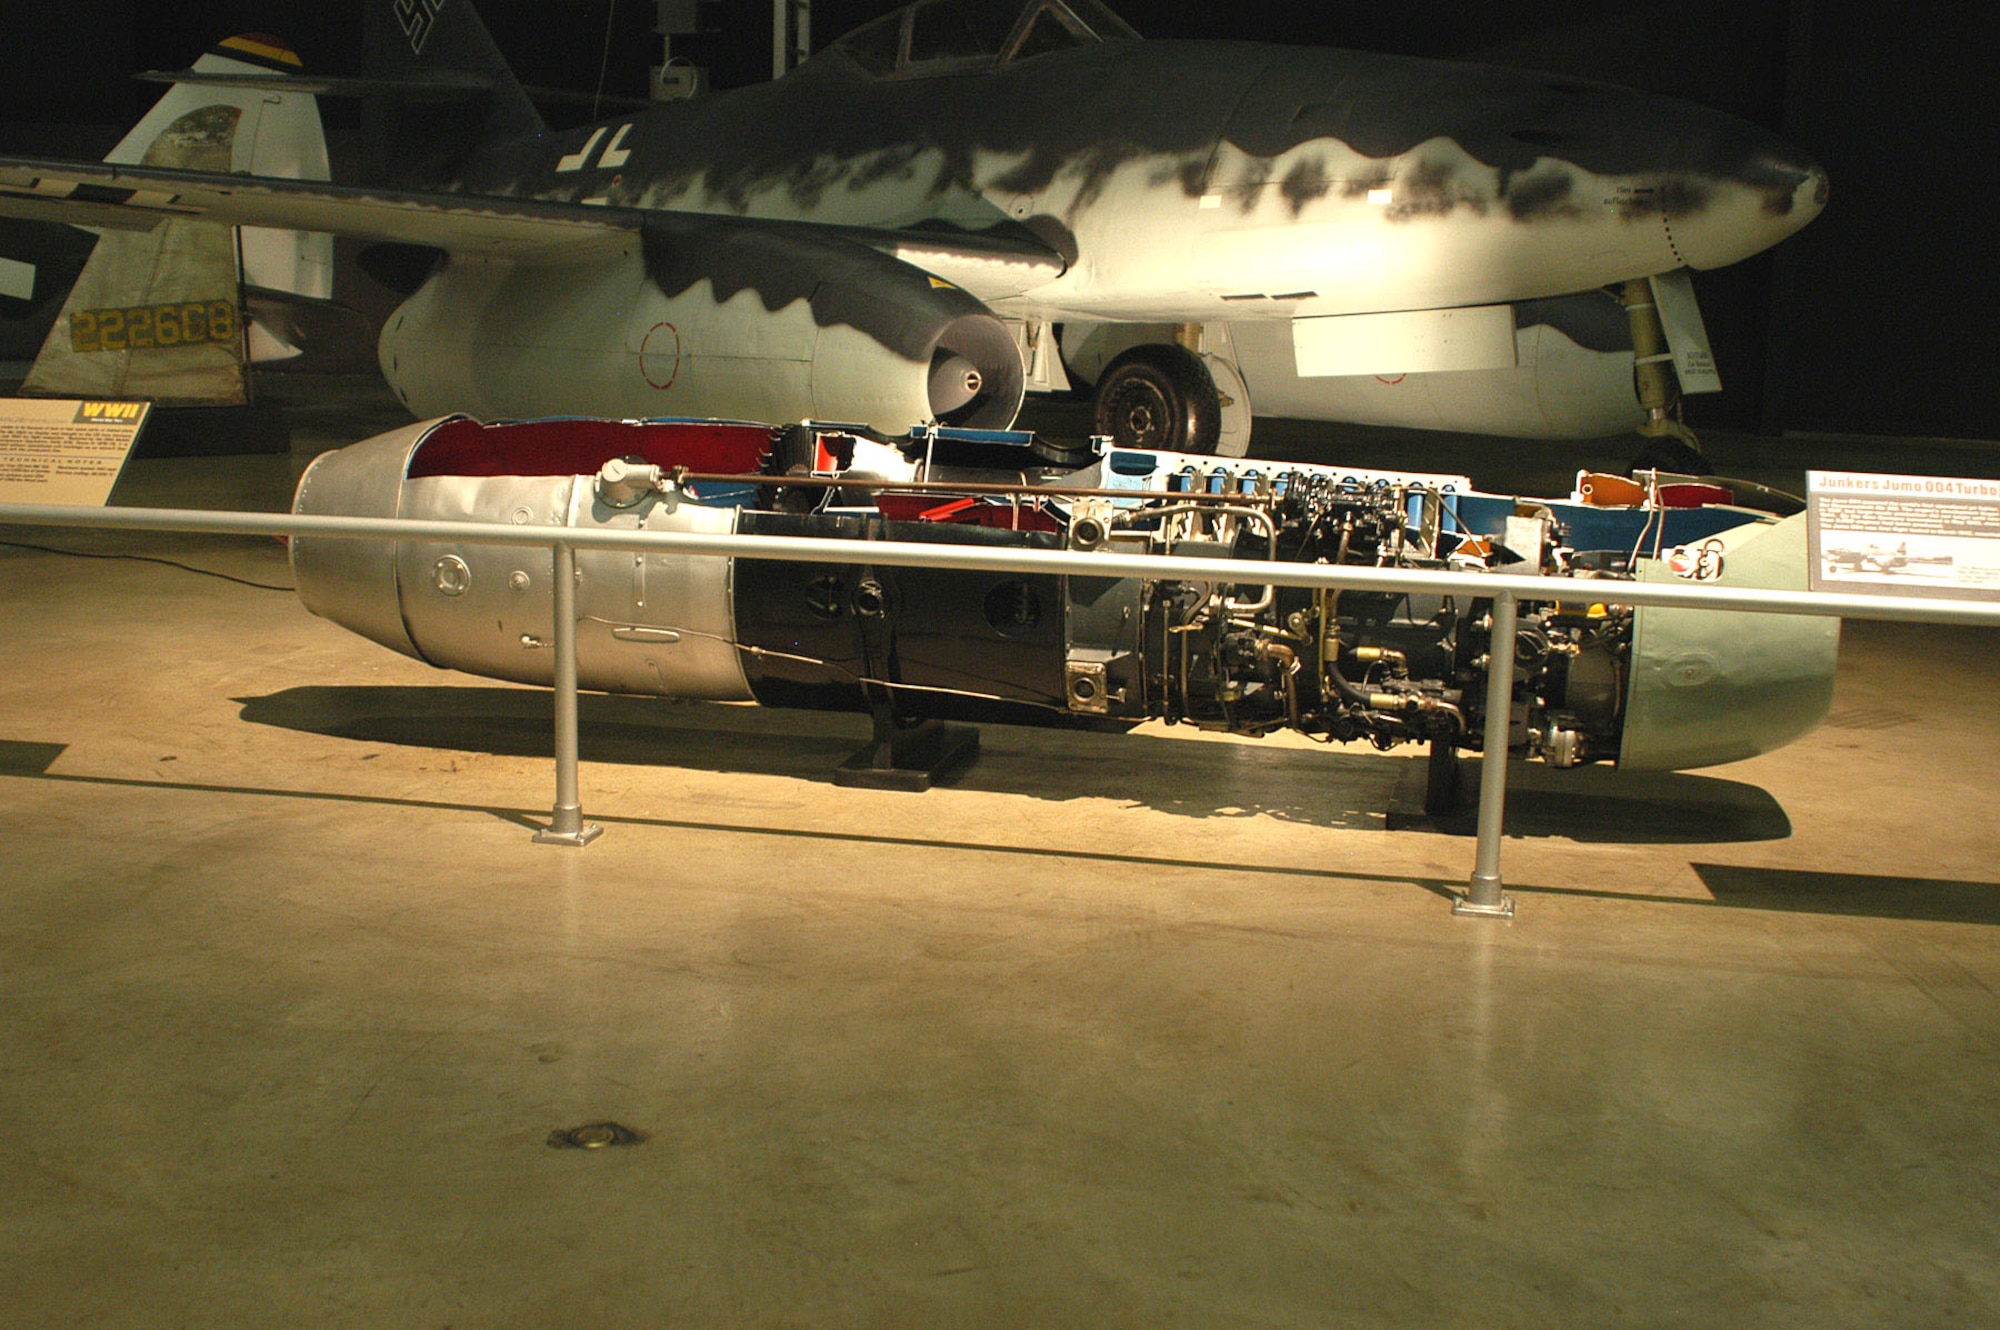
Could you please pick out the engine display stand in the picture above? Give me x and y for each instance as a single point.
(1442, 780)
(911, 758)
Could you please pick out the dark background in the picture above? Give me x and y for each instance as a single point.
(1863, 323)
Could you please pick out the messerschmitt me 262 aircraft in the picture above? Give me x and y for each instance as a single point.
(895, 233)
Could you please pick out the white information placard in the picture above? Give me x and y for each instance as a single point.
(65, 450)
(1904, 535)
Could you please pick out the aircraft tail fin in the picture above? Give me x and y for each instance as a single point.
(433, 45)
(158, 313)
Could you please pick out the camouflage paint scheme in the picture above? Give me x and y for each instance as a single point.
(838, 243)
(1177, 179)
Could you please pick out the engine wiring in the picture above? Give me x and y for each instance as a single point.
(148, 558)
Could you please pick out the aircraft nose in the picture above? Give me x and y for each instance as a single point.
(1822, 185)
(1727, 187)
(1793, 185)
(1745, 190)
(1810, 195)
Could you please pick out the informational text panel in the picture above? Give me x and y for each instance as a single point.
(1904, 535)
(65, 450)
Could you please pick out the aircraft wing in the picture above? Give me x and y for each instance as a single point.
(987, 265)
(135, 198)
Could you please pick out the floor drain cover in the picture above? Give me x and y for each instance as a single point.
(594, 1136)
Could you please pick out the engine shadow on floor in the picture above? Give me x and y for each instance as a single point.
(537, 820)
(1603, 805)
(22, 758)
(1929, 900)
(1183, 777)
(1798, 891)
(1334, 788)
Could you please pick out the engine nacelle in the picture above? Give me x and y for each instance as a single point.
(1651, 688)
(662, 624)
(705, 322)
(1708, 688)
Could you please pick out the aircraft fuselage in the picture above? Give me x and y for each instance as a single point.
(1203, 180)
(1176, 183)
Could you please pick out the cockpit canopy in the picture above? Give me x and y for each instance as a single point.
(936, 37)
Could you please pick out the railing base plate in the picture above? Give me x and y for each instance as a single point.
(1466, 907)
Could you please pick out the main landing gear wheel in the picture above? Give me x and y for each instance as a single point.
(1159, 397)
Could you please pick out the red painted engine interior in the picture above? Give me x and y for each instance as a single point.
(578, 447)
(997, 515)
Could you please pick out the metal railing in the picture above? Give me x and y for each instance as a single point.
(1485, 893)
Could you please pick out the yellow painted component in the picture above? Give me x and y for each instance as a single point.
(260, 46)
(153, 327)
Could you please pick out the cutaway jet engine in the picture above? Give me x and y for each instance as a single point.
(1651, 688)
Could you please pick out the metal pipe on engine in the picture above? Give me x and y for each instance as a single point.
(1290, 659)
(1258, 515)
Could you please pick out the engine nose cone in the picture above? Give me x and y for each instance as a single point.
(977, 377)
(955, 381)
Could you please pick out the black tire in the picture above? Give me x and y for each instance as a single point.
(1673, 455)
(1159, 397)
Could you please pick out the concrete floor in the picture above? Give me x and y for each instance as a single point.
(1140, 1031)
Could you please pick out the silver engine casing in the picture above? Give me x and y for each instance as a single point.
(353, 582)
(647, 623)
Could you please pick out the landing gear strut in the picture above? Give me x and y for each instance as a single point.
(1670, 445)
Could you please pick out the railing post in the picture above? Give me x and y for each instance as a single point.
(566, 824)
(1485, 898)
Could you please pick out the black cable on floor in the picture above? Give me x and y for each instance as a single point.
(148, 558)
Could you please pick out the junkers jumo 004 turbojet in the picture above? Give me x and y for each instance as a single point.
(1651, 688)
(892, 233)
